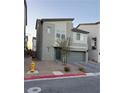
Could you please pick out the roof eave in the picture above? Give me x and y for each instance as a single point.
(57, 19)
(98, 22)
(79, 31)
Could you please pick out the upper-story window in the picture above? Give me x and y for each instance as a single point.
(62, 36)
(94, 43)
(37, 25)
(48, 29)
(58, 35)
(83, 38)
(48, 48)
(78, 36)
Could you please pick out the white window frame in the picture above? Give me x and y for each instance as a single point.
(83, 38)
(59, 35)
(48, 30)
(63, 35)
(78, 38)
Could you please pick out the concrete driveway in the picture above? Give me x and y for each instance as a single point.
(90, 67)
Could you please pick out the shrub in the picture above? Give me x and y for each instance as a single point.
(81, 69)
(33, 54)
(67, 69)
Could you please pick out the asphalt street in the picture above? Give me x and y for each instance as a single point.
(89, 84)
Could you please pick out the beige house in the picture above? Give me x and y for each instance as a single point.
(93, 39)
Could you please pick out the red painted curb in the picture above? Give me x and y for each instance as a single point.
(51, 76)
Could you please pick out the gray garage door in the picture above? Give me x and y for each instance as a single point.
(76, 57)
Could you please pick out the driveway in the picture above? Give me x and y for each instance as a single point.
(90, 67)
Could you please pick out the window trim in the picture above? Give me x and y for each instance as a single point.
(48, 29)
(94, 43)
(78, 38)
(57, 35)
(62, 36)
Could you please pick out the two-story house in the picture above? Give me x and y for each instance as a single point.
(49, 30)
(93, 39)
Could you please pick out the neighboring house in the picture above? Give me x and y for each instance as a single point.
(34, 44)
(93, 39)
(25, 22)
(50, 30)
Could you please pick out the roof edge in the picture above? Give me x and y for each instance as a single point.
(79, 30)
(57, 19)
(98, 22)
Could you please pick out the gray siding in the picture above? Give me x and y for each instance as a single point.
(39, 42)
(69, 26)
(48, 41)
(79, 45)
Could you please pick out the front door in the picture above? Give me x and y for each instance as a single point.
(58, 53)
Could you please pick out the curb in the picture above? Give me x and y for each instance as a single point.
(52, 76)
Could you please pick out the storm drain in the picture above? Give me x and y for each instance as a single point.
(34, 90)
(39, 90)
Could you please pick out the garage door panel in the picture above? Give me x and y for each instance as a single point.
(77, 57)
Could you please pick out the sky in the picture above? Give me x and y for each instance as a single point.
(83, 11)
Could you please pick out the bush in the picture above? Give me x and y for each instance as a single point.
(81, 69)
(67, 69)
(33, 54)
(29, 52)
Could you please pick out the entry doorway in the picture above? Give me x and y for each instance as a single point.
(58, 53)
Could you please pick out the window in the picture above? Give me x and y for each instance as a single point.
(84, 39)
(58, 35)
(48, 29)
(48, 48)
(63, 36)
(78, 36)
(37, 25)
(94, 43)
